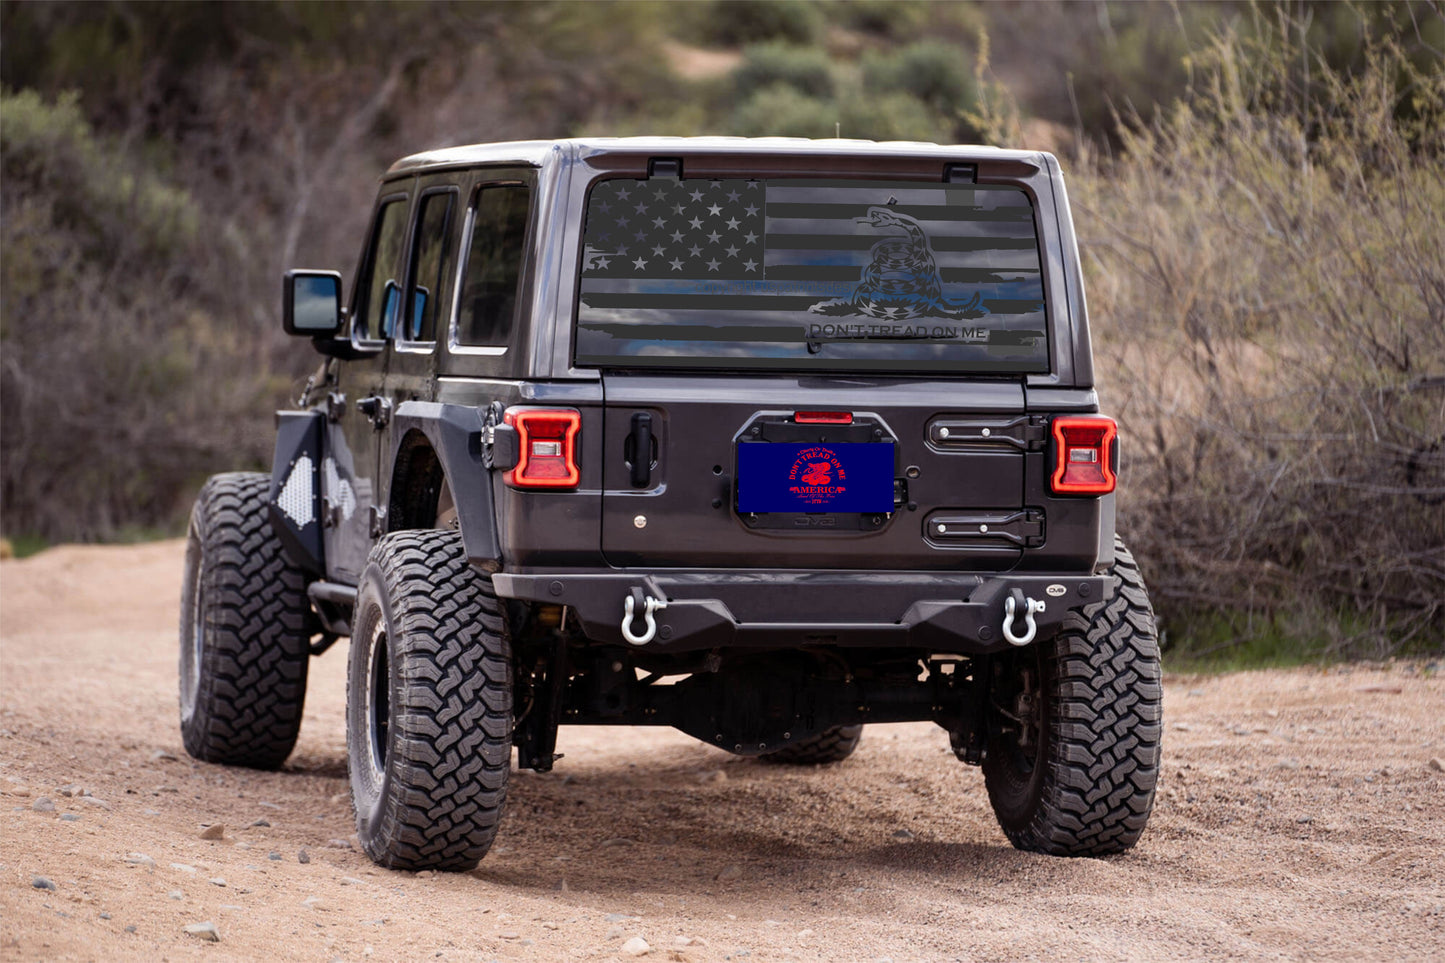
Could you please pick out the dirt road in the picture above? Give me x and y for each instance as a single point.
(1300, 817)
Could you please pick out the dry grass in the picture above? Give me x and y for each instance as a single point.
(1267, 277)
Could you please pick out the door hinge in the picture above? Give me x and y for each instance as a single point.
(335, 406)
(500, 448)
(377, 408)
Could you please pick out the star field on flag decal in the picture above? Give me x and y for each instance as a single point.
(709, 229)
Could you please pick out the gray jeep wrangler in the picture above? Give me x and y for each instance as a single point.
(762, 439)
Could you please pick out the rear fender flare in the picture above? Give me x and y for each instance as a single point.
(454, 433)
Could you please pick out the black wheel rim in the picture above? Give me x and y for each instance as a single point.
(1017, 736)
(378, 711)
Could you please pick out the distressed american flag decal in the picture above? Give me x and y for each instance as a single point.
(811, 273)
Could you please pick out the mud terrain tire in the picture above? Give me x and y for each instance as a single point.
(1083, 783)
(831, 745)
(428, 705)
(245, 632)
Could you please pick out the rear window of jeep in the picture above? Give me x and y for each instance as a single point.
(804, 274)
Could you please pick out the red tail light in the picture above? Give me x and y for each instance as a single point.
(823, 417)
(547, 443)
(1084, 455)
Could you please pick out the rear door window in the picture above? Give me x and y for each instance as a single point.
(429, 264)
(494, 265)
(811, 274)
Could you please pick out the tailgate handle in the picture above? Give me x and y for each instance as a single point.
(639, 449)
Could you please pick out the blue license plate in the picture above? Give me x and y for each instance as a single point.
(850, 477)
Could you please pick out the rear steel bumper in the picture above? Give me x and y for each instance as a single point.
(760, 609)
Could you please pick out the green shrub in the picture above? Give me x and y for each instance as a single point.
(899, 19)
(733, 23)
(806, 70)
(49, 149)
(939, 75)
(38, 138)
(782, 111)
(891, 117)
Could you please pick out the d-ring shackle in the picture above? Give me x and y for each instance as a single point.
(649, 605)
(1010, 606)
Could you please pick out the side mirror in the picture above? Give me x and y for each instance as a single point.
(311, 303)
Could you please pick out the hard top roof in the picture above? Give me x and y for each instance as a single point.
(533, 153)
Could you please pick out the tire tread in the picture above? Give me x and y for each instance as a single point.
(1103, 763)
(453, 730)
(830, 745)
(259, 626)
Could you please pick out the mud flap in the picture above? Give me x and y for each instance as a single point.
(295, 498)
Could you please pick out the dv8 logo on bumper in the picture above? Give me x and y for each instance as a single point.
(845, 477)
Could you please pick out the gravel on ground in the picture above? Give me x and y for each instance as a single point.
(1301, 815)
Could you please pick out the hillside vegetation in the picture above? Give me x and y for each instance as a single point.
(1267, 267)
(1259, 192)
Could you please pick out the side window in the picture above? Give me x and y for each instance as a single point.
(494, 265)
(429, 265)
(380, 285)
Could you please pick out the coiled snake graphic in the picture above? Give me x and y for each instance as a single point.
(901, 279)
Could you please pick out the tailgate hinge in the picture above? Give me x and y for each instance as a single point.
(1024, 528)
(1023, 432)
